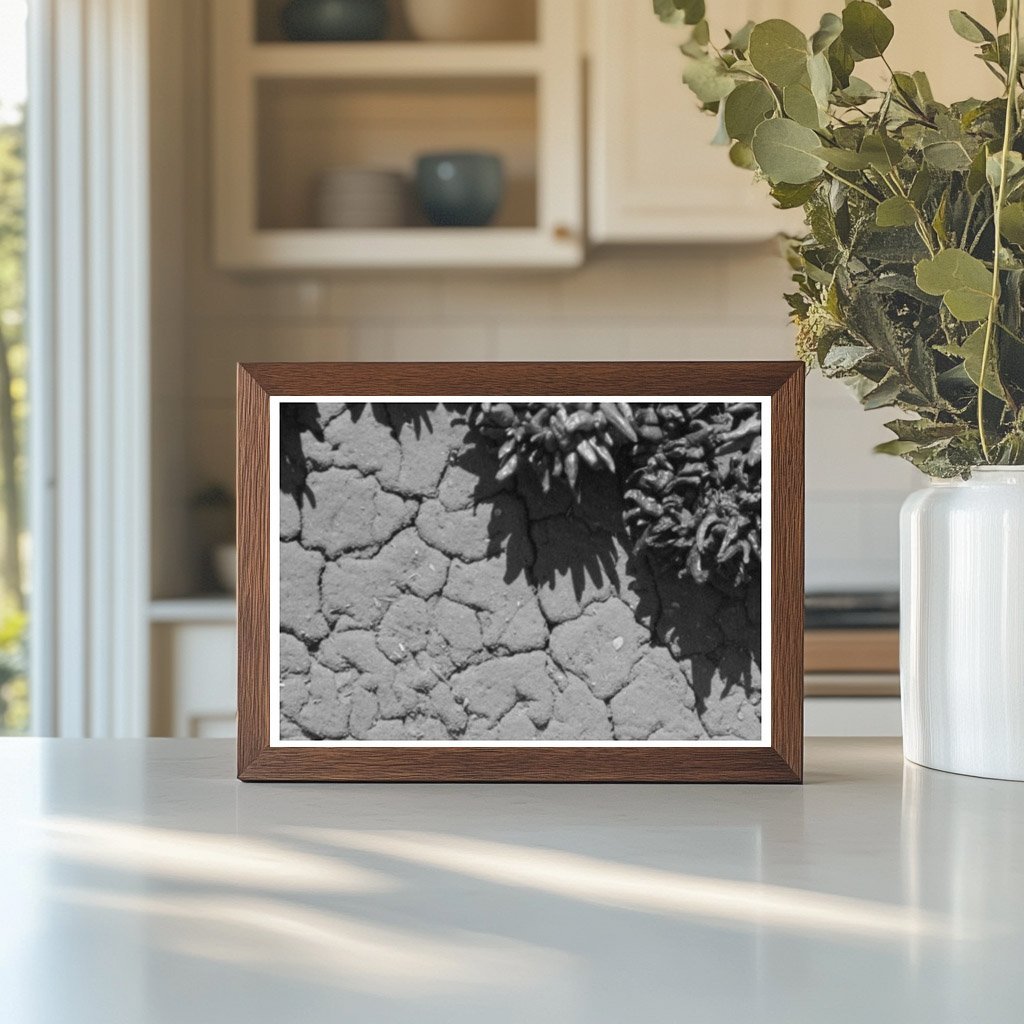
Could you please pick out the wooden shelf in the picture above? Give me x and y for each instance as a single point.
(393, 60)
(851, 684)
(852, 650)
(401, 247)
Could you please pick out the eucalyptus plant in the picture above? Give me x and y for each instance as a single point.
(910, 278)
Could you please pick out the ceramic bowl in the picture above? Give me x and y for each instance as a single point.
(460, 189)
(359, 197)
(334, 20)
(469, 20)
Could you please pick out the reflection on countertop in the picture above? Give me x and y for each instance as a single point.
(156, 888)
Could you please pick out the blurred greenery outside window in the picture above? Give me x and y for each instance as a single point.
(14, 548)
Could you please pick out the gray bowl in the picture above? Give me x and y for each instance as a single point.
(334, 20)
(461, 190)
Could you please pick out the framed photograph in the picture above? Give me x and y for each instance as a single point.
(520, 572)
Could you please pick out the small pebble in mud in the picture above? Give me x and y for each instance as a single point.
(618, 642)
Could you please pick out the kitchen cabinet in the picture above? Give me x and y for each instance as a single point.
(286, 113)
(653, 174)
(193, 667)
(654, 177)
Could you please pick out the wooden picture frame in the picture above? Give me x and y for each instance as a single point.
(776, 757)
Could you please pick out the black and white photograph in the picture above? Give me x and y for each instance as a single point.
(508, 570)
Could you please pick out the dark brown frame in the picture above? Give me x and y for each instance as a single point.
(782, 761)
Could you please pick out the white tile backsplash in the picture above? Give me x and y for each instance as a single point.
(506, 297)
(704, 303)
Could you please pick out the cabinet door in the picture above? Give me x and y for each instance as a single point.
(654, 177)
(194, 679)
(286, 113)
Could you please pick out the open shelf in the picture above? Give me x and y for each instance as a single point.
(393, 59)
(286, 114)
(406, 248)
(306, 128)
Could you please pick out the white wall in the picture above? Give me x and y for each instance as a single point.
(701, 303)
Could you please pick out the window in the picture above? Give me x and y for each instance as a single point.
(14, 547)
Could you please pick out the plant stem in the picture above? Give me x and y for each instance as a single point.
(981, 231)
(856, 188)
(1012, 334)
(923, 228)
(993, 309)
(969, 217)
(771, 89)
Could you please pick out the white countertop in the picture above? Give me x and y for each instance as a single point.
(142, 885)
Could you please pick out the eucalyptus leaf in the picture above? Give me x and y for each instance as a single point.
(895, 447)
(947, 156)
(800, 105)
(884, 395)
(906, 87)
(866, 29)
(924, 87)
(997, 53)
(708, 80)
(721, 136)
(745, 108)
(739, 41)
(963, 281)
(789, 197)
(896, 212)
(668, 11)
(741, 155)
(969, 28)
(972, 353)
(675, 12)
(939, 220)
(844, 159)
(842, 61)
(858, 91)
(976, 178)
(1012, 225)
(829, 30)
(967, 305)
(696, 50)
(883, 153)
(1014, 169)
(922, 185)
(786, 152)
(819, 74)
(779, 51)
(923, 431)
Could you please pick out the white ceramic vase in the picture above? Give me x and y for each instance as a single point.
(962, 624)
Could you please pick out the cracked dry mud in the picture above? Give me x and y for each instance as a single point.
(422, 599)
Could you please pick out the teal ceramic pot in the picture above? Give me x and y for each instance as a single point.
(332, 21)
(461, 190)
